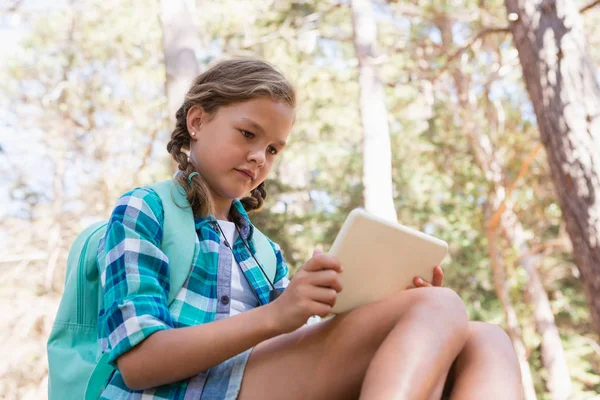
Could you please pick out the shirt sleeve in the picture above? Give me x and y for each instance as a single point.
(282, 270)
(133, 273)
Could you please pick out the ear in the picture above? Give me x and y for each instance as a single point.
(194, 119)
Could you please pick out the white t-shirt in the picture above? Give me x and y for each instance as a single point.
(242, 297)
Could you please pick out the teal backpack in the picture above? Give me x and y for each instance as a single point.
(77, 368)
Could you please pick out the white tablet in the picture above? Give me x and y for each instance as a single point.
(381, 258)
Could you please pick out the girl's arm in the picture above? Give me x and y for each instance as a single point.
(136, 324)
(174, 354)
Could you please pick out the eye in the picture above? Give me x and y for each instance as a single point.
(272, 150)
(247, 134)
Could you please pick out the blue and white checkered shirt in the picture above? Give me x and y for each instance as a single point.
(135, 281)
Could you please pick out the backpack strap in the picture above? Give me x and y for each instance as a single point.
(265, 254)
(178, 243)
(179, 233)
(98, 378)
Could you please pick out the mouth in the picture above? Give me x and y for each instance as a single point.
(246, 173)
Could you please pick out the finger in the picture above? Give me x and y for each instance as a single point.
(438, 276)
(326, 278)
(320, 309)
(323, 261)
(323, 295)
(420, 282)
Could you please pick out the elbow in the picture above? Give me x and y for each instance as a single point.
(133, 384)
(128, 367)
(139, 367)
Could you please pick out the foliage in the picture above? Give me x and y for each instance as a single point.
(86, 120)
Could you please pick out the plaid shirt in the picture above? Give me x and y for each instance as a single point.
(135, 282)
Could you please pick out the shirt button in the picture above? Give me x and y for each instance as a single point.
(225, 300)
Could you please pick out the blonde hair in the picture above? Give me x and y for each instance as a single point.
(225, 83)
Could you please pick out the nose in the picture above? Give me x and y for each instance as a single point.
(258, 156)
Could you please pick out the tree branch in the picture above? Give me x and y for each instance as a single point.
(147, 153)
(14, 7)
(480, 35)
(14, 258)
(494, 220)
(589, 6)
(483, 33)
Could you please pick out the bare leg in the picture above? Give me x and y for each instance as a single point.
(487, 367)
(400, 347)
(387, 379)
(439, 389)
(479, 369)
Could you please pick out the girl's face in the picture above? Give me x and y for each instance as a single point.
(235, 148)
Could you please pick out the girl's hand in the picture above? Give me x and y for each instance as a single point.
(312, 291)
(438, 279)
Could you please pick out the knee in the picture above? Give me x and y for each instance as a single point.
(445, 305)
(489, 350)
(490, 338)
(443, 301)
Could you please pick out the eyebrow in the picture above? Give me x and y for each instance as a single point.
(259, 128)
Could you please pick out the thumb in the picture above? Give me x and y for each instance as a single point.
(317, 252)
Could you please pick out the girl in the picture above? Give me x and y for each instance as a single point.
(223, 337)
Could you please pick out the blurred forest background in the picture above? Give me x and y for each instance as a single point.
(420, 110)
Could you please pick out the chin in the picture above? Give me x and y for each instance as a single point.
(234, 194)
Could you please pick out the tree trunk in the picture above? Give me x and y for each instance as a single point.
(490, 163)
(553, 355)
(180, 43)
(560, 79)
(377, 156)
(482, 150)
(512, 321)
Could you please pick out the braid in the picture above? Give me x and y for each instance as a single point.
(255, 202)
(180, 139)
(197, 191)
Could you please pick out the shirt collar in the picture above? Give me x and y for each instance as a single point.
(239, 216)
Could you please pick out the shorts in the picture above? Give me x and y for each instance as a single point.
(224, 381)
